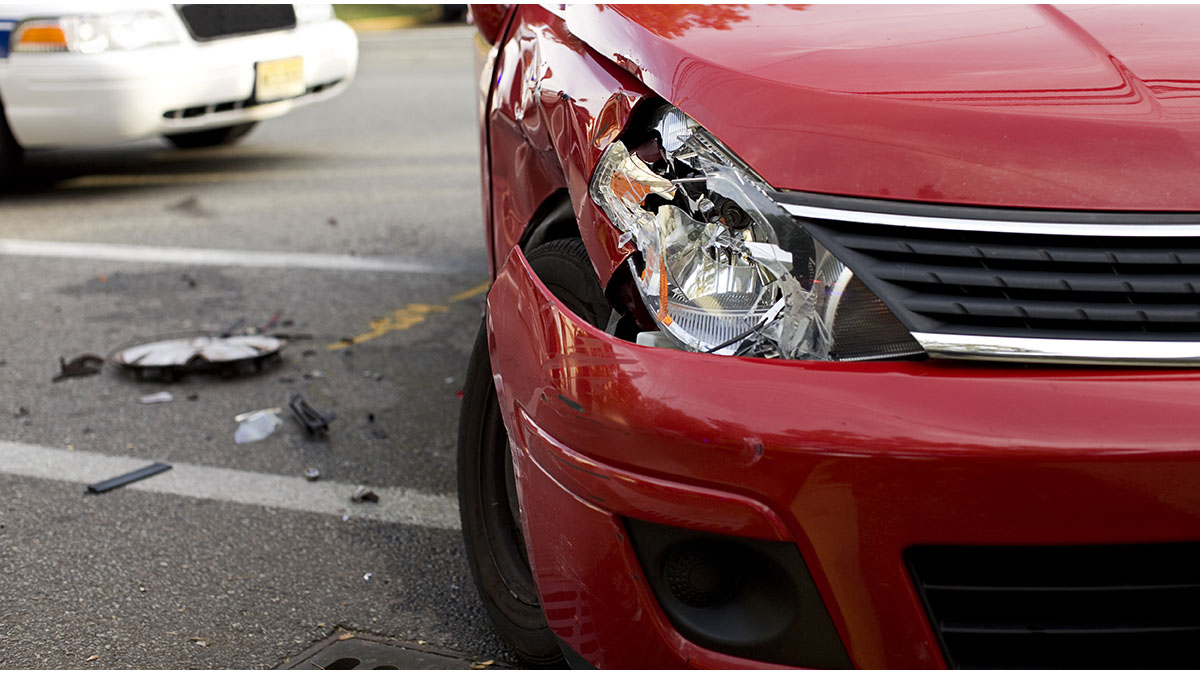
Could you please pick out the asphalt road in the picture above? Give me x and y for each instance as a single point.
(232, 559)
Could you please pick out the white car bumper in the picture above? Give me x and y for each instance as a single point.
(59, 99)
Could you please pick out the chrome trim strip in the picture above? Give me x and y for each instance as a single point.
(1014, 227)
(1047, 350)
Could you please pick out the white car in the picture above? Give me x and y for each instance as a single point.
(102, 72)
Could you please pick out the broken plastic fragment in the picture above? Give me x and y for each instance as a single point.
(160, 397)
(80, 366)
(367, 576)
(257, 425)
(363, 494)
(167, 357)
(312, 473)
(126, 478)
(308, 417)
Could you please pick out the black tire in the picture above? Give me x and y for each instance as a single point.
(11, 153)
(486, 487)
(211, 137)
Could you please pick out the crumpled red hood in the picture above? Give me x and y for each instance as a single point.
(1074, 107)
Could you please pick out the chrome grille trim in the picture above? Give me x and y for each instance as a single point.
(1058, 351)
(1003, 226)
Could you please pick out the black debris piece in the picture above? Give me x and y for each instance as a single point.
(308, 417)
(363, 494)
(21, 411)
(80, 366)
(125, 479)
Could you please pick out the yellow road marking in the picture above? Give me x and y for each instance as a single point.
(471, 292)
(403, 319)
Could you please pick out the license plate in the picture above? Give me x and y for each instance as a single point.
(279, 79)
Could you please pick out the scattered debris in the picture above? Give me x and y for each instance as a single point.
(21, 411)
(312, 474)
(345, 636)
(379, 433)
(308, 417)
(167, 359)
(331, 221)
(125, 479)
(364, 494)
(188, 279)
(367, 576)
(270, 322)
(201, 642)
(80, 366)
(345, 517)
(459, 393)
(372, 375)
(480, 665)
(160, 397)
(307, 353)
(193, 396)
(449, 380)
(256, 425)
(190, 206)
(93, 657)
(314, 375)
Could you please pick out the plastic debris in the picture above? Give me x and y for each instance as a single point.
(21, 411)
(372, 375)
(234, 355)
(256, 425)
(80, 366)
(367, 576)
(312, 473)
(308, 417)
(364, 494)
(126, 478)
(201, 642)
(481, 665)
(314, 375)
(160, 397)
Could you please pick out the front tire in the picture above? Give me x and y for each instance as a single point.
(486, 486)
(11, 153)
(211, 137)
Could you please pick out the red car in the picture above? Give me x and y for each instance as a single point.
(835, 336)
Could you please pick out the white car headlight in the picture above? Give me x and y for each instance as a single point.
(93, 34)
(724, 269)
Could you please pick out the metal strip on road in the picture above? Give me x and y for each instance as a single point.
(396, 505)
(212, 257)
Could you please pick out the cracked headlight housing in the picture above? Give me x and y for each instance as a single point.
(723, 268)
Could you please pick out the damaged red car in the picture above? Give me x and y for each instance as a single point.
(834, 336)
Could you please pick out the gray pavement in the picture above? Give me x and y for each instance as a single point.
(233, 561)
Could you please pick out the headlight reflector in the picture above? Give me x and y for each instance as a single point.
(725, 269)
(94, 34)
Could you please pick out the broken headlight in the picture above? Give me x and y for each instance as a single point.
(723, 268)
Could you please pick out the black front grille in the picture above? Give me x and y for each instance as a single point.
(209, 22)
(1129, 606)
(1026, 285)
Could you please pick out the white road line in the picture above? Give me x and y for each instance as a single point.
(210, 256)
(396, 505)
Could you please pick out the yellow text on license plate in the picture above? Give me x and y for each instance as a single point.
(281, 78)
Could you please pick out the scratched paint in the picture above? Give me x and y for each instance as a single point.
(403, 319)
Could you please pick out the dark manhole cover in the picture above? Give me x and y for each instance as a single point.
(367, 652)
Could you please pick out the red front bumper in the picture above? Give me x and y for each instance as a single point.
(855, 463)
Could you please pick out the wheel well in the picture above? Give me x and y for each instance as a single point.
(554, 219)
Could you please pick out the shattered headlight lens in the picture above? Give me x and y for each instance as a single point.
(724, 269)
